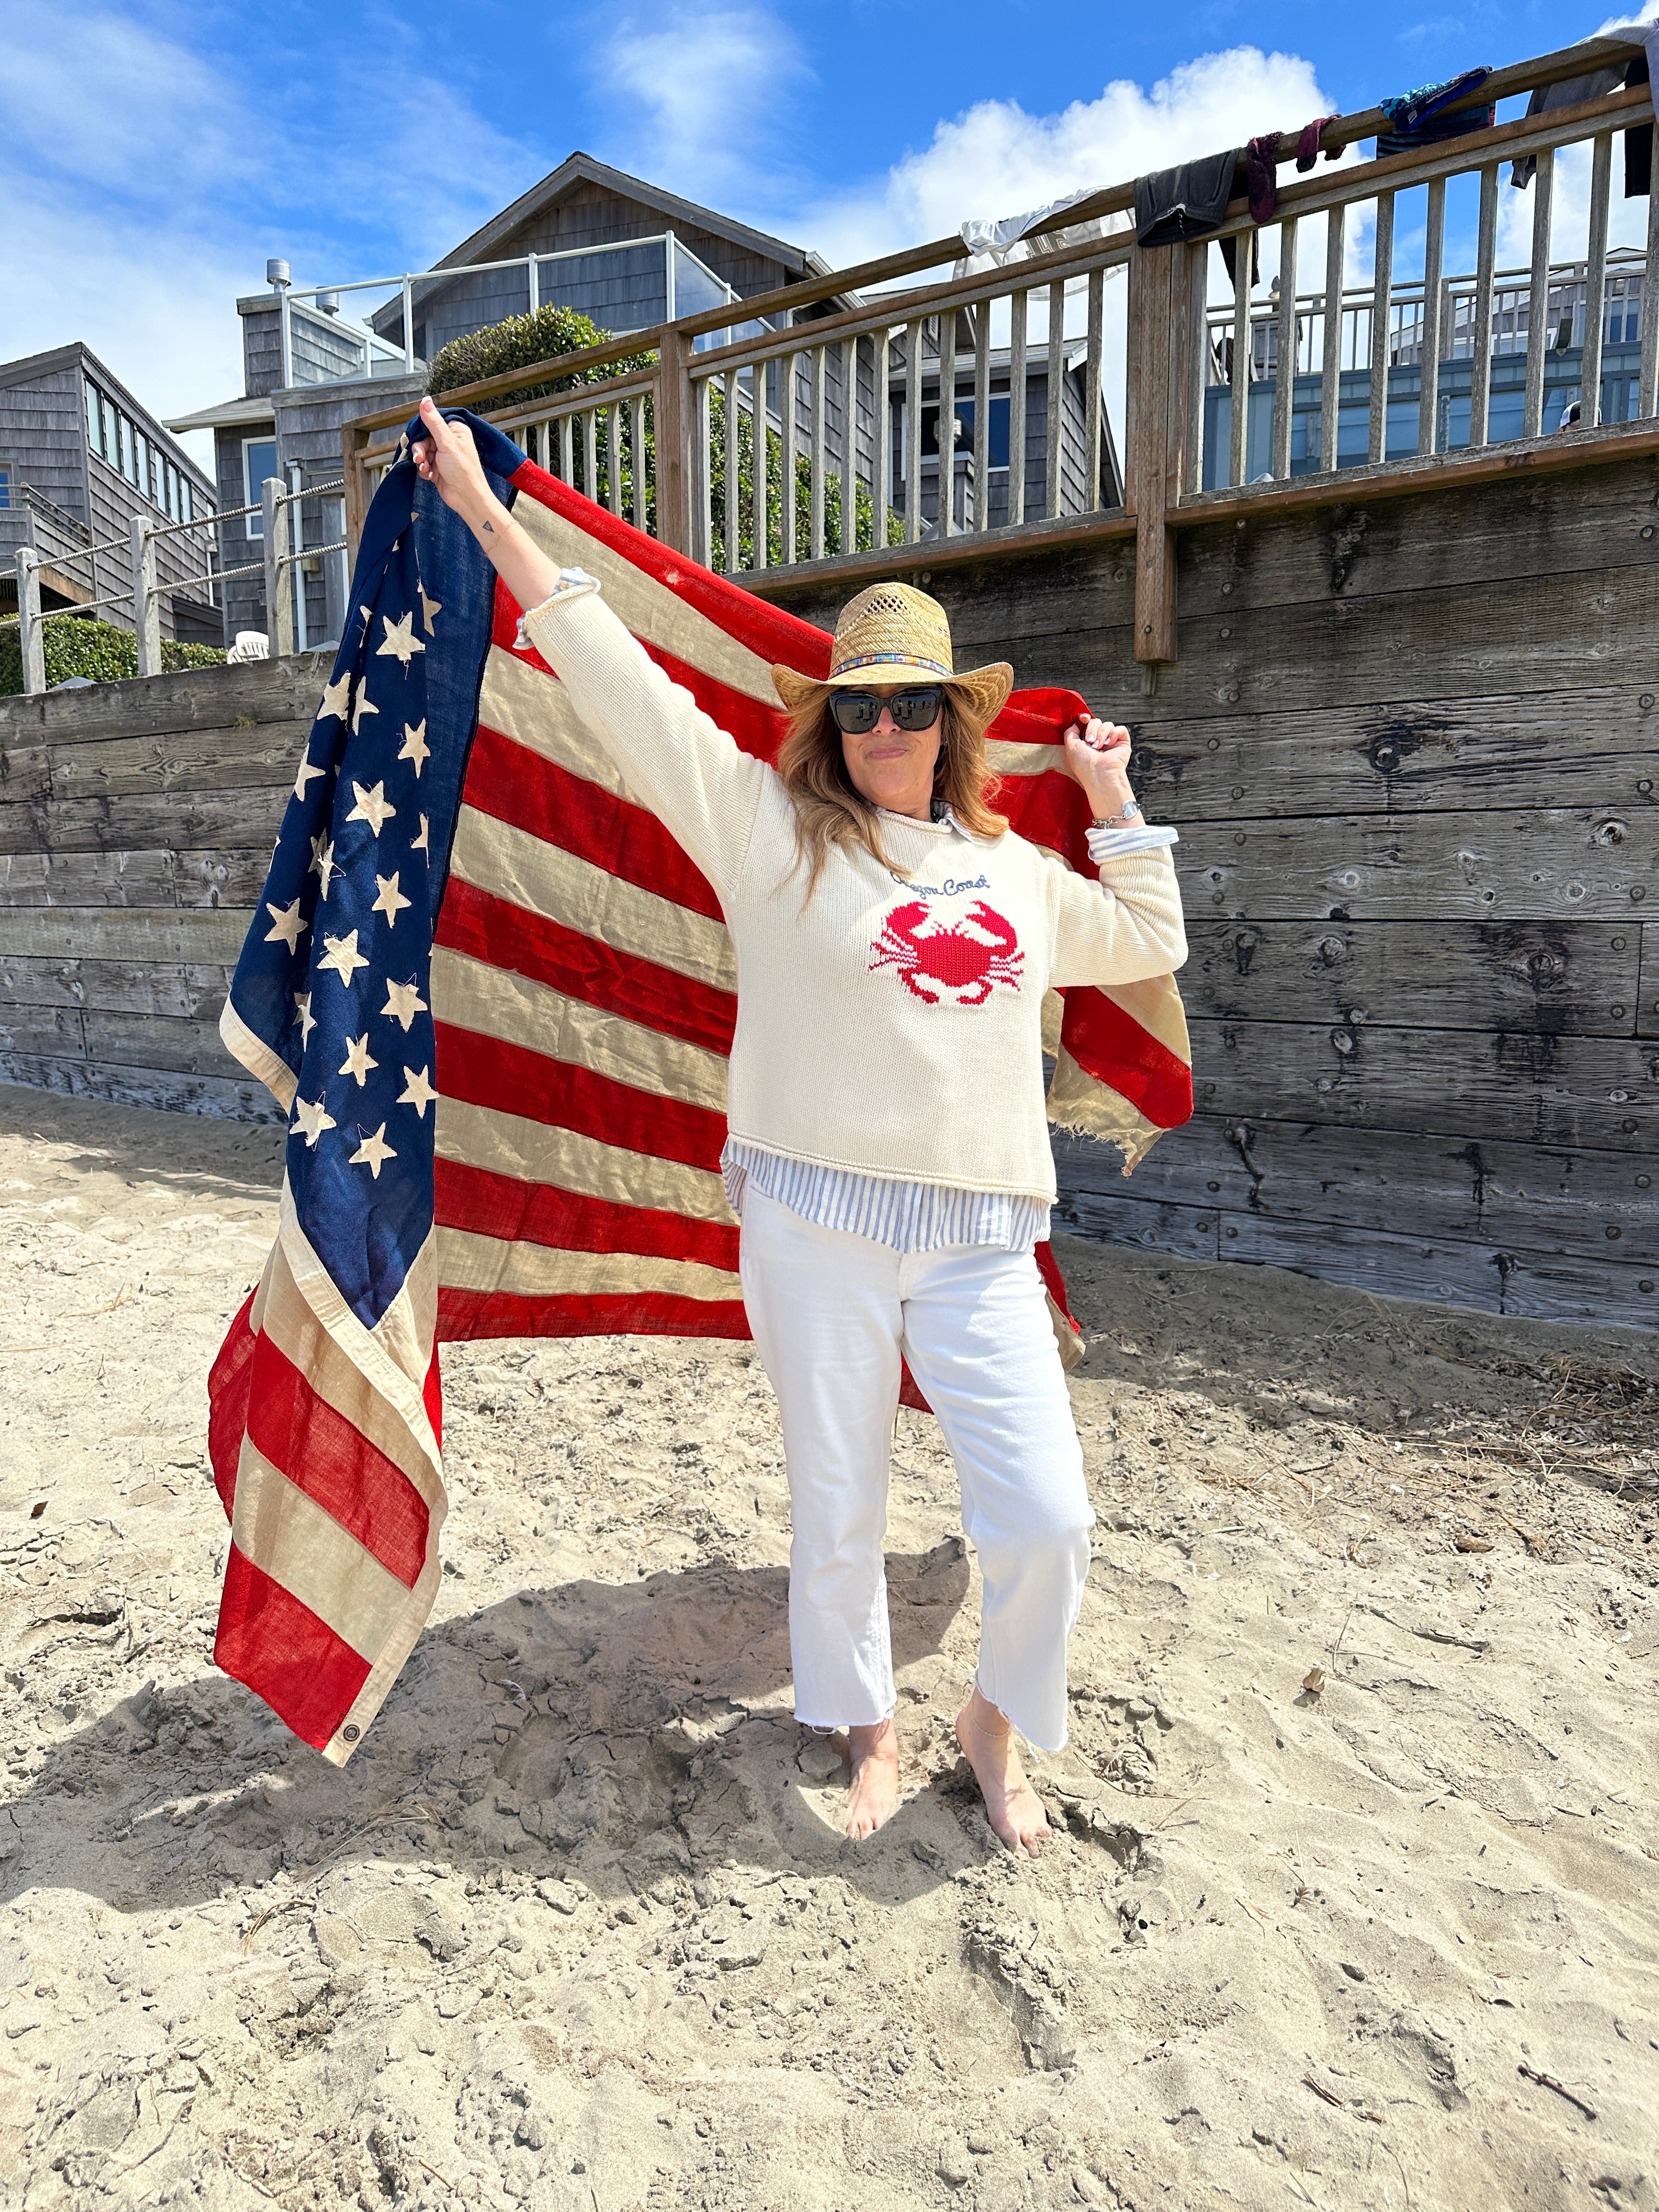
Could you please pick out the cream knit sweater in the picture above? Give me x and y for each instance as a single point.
(892, 1025)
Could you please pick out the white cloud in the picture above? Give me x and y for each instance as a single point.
(700, 94)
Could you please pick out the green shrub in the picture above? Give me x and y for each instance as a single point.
(107, 654)
(519, 343)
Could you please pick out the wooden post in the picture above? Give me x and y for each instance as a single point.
(33, 638)
(673, 426)
(146, 608)
(1157, 296)
(279, 604)
(352, 441)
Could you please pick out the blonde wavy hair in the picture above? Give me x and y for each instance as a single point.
(831, 810)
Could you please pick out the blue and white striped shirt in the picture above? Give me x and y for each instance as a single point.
(905, 1216)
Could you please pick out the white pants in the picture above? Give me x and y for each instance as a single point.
(832, 1312)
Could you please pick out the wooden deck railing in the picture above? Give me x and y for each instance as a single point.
(826, 443)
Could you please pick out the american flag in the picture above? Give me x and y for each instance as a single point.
(495, 999)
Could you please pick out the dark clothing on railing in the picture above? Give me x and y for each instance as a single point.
(1174, 205)
(1262, 175)
(1596, 85)
(1430, 113)
(1307, 145)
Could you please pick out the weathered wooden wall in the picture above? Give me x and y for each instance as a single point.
(136, 827)
(1412, 749)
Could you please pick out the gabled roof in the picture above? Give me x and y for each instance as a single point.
(77, 354)
(583, 169)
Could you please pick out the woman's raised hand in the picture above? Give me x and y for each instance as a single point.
(448, 459)
(1097, 757)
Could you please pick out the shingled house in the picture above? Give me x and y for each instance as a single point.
(613, 247)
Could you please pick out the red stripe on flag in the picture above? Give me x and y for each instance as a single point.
(1112, 1047)
(230, 1379)
(305, 1673)
(493, 930)
(483, 1071)
(510, 783)
(333, 1462)
(463, 1314)
(569, 1221)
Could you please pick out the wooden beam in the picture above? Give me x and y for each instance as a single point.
(1157, 295)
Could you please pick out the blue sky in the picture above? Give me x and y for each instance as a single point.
(156, 154)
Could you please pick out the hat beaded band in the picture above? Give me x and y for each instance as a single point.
(901, 659)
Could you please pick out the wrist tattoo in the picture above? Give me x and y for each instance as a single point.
(489, 528)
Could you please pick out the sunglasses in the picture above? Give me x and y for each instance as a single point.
(857, 712)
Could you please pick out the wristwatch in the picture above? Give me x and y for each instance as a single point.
(1131, 813)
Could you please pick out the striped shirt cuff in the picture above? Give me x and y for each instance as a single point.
(1116, 844)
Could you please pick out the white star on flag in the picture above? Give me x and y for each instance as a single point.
(403, 1002)
(307, 772)
(343, 957)
(372, 807)
(430, 610)
(322, 858)
(311, 1119)
(336, 699)
(419, 844)
(358, 1060)
(415, 748)
(400, 640)
(303, 1015)
(373, 1153)
(365, 706)
(392, 901)
(289, 928)
(418, 1091)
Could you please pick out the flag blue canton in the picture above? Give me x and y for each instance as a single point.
(335, 977)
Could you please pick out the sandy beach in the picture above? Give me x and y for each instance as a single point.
(1352, 1902)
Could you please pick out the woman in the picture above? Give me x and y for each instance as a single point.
(889, 1154)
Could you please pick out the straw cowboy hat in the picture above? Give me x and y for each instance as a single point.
(893, 635)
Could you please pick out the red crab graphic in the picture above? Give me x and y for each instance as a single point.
(964, 959)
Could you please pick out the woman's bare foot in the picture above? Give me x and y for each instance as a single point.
(872, 1795)
(1011, 1806)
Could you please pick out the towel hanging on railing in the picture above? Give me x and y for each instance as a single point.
(993, 241)
(1173, 206)
(1307, 145)
(1432, 112)
(1262, 176)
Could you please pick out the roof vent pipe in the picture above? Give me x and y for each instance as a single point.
(278, 275)
(327, 302)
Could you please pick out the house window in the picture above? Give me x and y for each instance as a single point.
(997, 443)
(96, 413)
(5, 486)
(259, 462)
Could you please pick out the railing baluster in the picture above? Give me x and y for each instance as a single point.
(1017, 313)
(787, 486)
(1054, 442)
(734, 474)
(881, 447)
(1481, 379)
(1538, 304)
(913, 337)
(1595, 283)
(568, 451)
(1091, 391)
(1428, 351)
(947, 422)
(613, 429)
(1330, 380)
(702, 463)
(1284, 379)
(641, 491)
(591, 453)
(1382, 331)
(1198, 353)
(760, 551)
(820, 370)
(848, 355)
(1244, 242)
(1647, 394)
(981, 321)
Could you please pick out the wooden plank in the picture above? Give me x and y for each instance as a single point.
(1400, 755)
(1555, 1200)
(1428, 357)
(1284, 379)
(1562, 978)
(25, 774)
(1596, 281)
(1441, 1272)
(163, 1089)
(1486, 263)
(83, 880)
(1017, 306)
(201, 935)
(182, 1048)
(1190, 1232)
(1599, 1093)
(1647, 991)
(1527, 865)
(1537, 298)
(1157, 293)
(1330, 367)
(188, 991)
(197, 698)
(189, 762)
(183, 821)
(58, 1032)
(1381, 322)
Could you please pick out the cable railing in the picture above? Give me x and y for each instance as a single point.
(283, 551)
